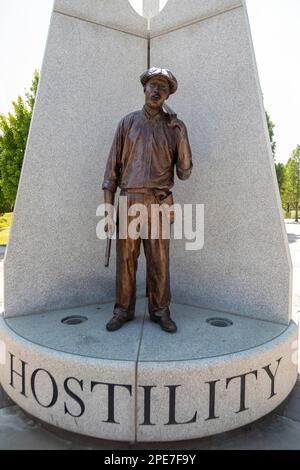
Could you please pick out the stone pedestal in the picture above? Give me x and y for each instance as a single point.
(140, 383)
(5, 401)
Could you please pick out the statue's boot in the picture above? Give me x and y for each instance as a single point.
(118, 320)
(163, 318)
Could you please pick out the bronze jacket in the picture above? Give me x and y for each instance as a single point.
(145, 152)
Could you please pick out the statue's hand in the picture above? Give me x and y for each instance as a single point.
(110, 226)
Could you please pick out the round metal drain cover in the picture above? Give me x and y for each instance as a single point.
(220, 322)
(74, 320)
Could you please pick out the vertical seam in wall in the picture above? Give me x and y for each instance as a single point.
(149, 51)
(136, 375)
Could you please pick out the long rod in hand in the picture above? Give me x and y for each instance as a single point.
(107, 251)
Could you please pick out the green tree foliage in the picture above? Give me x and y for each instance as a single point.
(279, 167)
(4, 206)
(291, 194)
(280, 172)
(271, 126)
(14, 131)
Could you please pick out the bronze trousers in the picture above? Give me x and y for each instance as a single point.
(157, 260)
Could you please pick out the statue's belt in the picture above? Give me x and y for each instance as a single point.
(160, 194)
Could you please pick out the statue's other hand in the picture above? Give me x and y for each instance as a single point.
(110, 226)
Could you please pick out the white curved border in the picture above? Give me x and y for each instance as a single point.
(138, 8)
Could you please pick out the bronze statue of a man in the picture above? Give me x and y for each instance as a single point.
(148, 144)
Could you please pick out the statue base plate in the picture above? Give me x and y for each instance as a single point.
(220, 371)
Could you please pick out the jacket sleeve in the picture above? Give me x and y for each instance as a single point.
(112, 172)
(184, 163)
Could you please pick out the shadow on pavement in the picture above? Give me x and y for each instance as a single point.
(293, 237)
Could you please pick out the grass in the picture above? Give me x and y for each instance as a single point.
(290, 215)
(5, 223)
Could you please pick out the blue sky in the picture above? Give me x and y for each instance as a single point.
(275, 26)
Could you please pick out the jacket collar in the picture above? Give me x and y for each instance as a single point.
(154, 117)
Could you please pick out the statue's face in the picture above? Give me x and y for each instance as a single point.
(157, 90)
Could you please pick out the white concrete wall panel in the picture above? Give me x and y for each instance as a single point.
(244, 266)
(117, 14)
